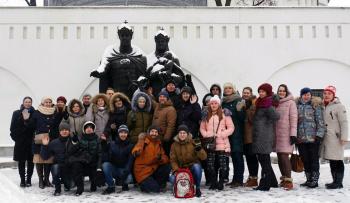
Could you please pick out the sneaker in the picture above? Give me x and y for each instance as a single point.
(251, 182)
(108, 190)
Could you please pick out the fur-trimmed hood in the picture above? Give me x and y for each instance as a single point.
(315, 101)
(187, 140)
(70, 107)
(125, 99)
(94, 102)
(135, 98)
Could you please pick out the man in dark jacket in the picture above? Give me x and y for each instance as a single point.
(84, 155)
(119, 160)
(57, 148)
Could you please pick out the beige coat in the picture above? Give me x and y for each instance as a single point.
(337, 129)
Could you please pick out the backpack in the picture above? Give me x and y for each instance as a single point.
(184, 184)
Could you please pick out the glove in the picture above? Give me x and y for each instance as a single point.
(197, 144)
(95, 74)
(318, 140)
(293, 140)
(75, 137)
(25, 114)
(188, 78)
(100, 178)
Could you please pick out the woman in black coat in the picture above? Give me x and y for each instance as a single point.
(22, 133)
(189, 112)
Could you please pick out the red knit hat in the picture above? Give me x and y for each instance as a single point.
(267, 88)
(62, 98)
(330, 88)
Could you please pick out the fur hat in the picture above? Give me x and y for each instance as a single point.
(331, 88)
(305, 90)
(267, 88)
(64, 126)
(123, 128)
(229, 84)
(46, 98)
(215, 98)
(61, 98)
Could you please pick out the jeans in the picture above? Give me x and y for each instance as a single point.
(111, 171)
(61, 174)
(196, 171)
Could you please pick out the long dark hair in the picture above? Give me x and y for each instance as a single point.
(285, 87)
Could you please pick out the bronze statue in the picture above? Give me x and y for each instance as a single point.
(121, 66)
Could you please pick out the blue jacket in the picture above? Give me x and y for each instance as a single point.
(310, 120)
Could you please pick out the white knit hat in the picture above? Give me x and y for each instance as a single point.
(215, 98)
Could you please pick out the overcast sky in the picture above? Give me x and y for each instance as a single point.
(40, 3)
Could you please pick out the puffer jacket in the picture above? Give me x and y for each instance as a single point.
(165, 118)
(139, 119)
(75, 121)
(221, 129)
(184, 155)
(310, 120)
(286, 126)
(337, 130)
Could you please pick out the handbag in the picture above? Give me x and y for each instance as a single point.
(296, 162)
(209, 143)
(38, 138)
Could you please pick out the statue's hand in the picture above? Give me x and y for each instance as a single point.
(95, 74)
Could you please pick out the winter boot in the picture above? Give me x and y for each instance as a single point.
(264, 184)
(108, 190)
(314, 179)
(338, 183)
(198, 192)
(125, 187)
(220, 185)
(30, 168)
(334, 177)
(308, 179)
(40, 171)
(282, 181)
(251, 182)
(57, 191)
(287, 184)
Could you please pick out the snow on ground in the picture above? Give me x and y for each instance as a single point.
(11, 192)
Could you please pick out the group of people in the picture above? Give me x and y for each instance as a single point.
(145, 140)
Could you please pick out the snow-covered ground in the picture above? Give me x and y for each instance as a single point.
(10, 192)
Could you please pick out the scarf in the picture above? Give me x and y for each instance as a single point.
(265, 102)
(46, 110)
(230, 98)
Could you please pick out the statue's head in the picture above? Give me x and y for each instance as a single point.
(162, 40)
(125, 33)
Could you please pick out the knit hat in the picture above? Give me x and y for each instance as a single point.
(123, 128)
(61, 98)
(305, 90)
(215, 98)
(183, 128)
(164, 93)
(64, 126)
(186, 89)
(46, 98)
(229, 84)
(89, 124)
(153, 127)
(331, 89)
(267, 88)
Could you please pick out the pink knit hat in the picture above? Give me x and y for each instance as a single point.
(331, 89)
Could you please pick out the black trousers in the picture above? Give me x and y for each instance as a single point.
(157, 180)
(252, 160)
(268, 177)
(22, 170)
(79, 170)
(337, 166)
(310, 157)
(220, 158)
